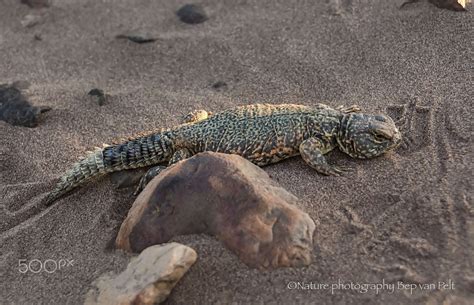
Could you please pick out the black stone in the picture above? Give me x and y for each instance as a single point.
(21, 84)
(16, 110)
(98, 95)
(192, 14)
(452, 5)
(138, 38)
(36, 3)
(219, 85)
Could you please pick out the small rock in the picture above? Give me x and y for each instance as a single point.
(453, 5)
(98, 96)
(219, 85)
(138, 37)
(21, 84)
(16, 110)
(30, 20)
(226, 196)
(192, 14)
(36, 3)
(148, 279)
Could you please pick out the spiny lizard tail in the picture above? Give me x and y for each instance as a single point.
(134, 153)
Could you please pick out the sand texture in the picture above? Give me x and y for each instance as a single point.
(403, 217)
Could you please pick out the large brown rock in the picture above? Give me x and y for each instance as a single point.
(148, 278)
(225, 196)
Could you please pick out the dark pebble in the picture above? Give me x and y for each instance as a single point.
(98, 96)
(192, 14)
(220, 85)
(36, 3)
(21, 84)
(137, 38)
(16, 110)
(452, 5)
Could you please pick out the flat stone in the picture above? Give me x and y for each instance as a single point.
(98, 96)
(16, 110)
(148, 279)
(31, 20)
(219, 85)
(225, 196)
(453, 5)
(192, 14)
(139, 36)
(36, 3)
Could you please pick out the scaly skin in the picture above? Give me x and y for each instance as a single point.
(261, 133)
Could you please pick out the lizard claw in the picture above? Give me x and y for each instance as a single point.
(141, 185)
(341, 170)
(407, 141)
(345, 169)
(335, 170)
(149, 175)
(349, 109)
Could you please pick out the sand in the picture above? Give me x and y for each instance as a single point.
(407, 216)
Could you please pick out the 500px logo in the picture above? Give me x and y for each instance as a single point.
(48, 266)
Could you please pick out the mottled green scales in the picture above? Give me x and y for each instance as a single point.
(261, 133)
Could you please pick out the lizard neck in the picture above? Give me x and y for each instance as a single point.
(326, 127)
(343, 134)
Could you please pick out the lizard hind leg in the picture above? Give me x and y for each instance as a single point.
(196, 116)
(149, 175)
(156, 170)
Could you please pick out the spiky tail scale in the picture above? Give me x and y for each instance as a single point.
(134, 153)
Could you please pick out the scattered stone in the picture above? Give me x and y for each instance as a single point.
(98, 96)
(148, 279)
(16, 110)
(138, 37)
(220, 85)
(464, 3)
(21, 84)
(38, 37)
(453, 5)
(31, 20)
(192, 14)
(226, 196)
(36, 3)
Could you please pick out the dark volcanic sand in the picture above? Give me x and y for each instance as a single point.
(404, 217)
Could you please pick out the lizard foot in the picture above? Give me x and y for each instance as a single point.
(352, 108)
(332, 170)
(149, 175)
(407, 141)
(196, 116)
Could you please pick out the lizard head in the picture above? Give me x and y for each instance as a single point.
(366, 136)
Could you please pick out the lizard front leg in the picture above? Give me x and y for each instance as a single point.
(313, 150)
(196, 116)
(156, 170)
(350, 109)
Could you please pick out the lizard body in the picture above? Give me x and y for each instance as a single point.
(262, 133)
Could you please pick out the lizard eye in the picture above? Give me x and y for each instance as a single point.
(379, 138)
